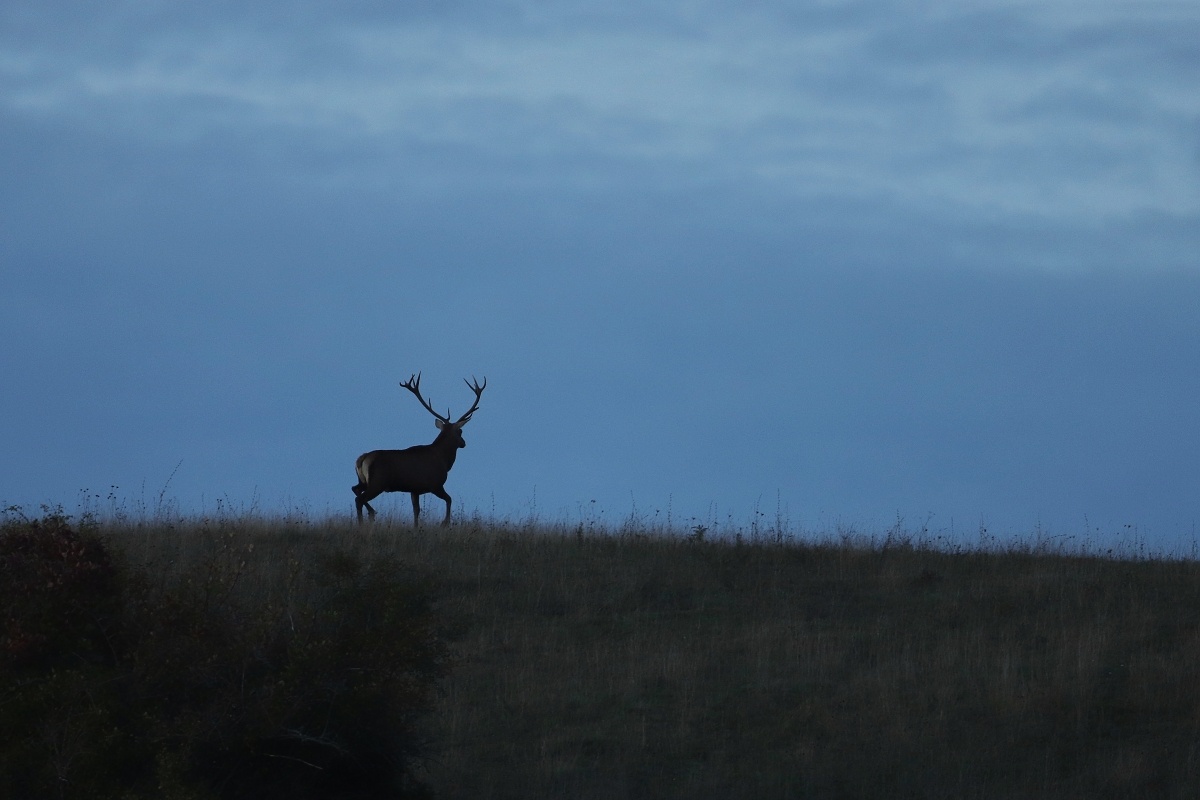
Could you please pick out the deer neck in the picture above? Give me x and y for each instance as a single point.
(447, 447)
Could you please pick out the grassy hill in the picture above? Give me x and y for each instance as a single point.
(587, 664)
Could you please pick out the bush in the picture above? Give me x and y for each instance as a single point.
(57, 590)
(116, 681)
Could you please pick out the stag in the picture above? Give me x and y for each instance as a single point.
(417, 470)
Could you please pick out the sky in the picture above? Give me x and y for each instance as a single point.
(839, 264)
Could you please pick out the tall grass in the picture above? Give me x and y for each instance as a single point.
(228, 660)
(653, 667)
(591, 663)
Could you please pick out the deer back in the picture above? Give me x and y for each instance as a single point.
(421, 468)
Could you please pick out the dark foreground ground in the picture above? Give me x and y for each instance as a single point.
(574, 664)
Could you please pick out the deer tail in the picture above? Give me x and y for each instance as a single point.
(363, 467)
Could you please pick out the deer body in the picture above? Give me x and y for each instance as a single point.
(421, 469)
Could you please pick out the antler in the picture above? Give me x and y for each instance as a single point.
(414, 385)
(478, 390)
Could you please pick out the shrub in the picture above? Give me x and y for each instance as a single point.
(59, 594)
(117, 682)
(56, 588)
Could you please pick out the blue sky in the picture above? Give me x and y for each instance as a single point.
(852, 260)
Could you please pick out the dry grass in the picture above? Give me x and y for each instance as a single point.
(630, 665)
(228, 660)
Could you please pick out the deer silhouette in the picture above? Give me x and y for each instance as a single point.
(421, 469)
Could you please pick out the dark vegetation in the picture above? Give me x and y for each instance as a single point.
(222, 662)
(251, 658)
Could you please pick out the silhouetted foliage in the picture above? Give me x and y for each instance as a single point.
(119, 682)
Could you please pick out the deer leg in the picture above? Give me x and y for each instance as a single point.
(416, 498)
(361, 499)
(442, 494)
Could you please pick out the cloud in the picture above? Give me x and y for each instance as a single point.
(1060, 111)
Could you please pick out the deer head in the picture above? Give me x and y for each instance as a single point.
(451, 430)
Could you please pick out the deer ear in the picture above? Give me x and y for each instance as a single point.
(439, 424)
